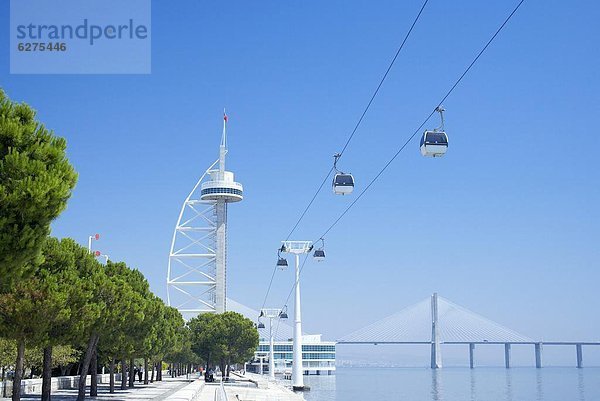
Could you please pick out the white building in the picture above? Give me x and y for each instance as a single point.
(318, 355)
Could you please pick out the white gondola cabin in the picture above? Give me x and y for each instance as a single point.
(343, 184)
(434, 143)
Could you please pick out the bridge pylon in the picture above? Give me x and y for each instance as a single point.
(436, 351)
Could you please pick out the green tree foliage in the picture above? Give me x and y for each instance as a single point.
(36, 180)
(139, 324)
(226, 338)
(62, 355)
(7, 352)
(75, 269)
(122, 321)
(205, 335)
(24, 316)
(241, 337)
(72, 300)
(53, 306)
(171, 337)
(54, 295)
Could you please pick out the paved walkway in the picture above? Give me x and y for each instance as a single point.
(153, 391)
(251, 388)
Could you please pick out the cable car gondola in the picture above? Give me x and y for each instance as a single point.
(435, 143)
(282, 263)
(343, 183)
(319, 253)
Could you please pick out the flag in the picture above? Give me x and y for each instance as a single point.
(225, 117)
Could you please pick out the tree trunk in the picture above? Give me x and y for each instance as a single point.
(94, 374)
(145, 370)
(159, 373)
(87, 359)
(16, 390)
(47, 374)
(222, 369)
(111, 386)
(131, 372)
(152, 377)
(123, 373)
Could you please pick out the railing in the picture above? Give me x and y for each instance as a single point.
(221, 183)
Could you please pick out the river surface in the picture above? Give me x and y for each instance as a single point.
(456, 384)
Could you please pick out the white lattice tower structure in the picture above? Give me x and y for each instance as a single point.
(197, 269)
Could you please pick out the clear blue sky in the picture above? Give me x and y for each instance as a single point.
(505, 224)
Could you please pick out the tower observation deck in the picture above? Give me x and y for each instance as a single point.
(197, 269)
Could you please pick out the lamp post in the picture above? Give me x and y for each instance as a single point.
(297, 248)
(91, 238)
(271, 314)
(106, 258)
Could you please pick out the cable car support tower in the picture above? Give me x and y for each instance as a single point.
(197, 269)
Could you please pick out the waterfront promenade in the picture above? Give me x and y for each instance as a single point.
(158, 390)
(240, 387)
(243, 387)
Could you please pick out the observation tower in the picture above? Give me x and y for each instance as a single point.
(197, 270)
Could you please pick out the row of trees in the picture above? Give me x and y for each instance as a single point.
(106, 312)
(54, 293)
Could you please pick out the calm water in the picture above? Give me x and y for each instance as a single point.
(456, 384)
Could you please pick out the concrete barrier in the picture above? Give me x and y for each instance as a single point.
(191, 392)
(34, 386)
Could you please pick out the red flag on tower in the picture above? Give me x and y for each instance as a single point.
(225, 117)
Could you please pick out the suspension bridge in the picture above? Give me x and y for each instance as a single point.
(438, 321)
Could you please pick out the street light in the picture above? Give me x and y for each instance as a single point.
(297, 248)
(95, 237)
(271, 314)
(106, 257)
